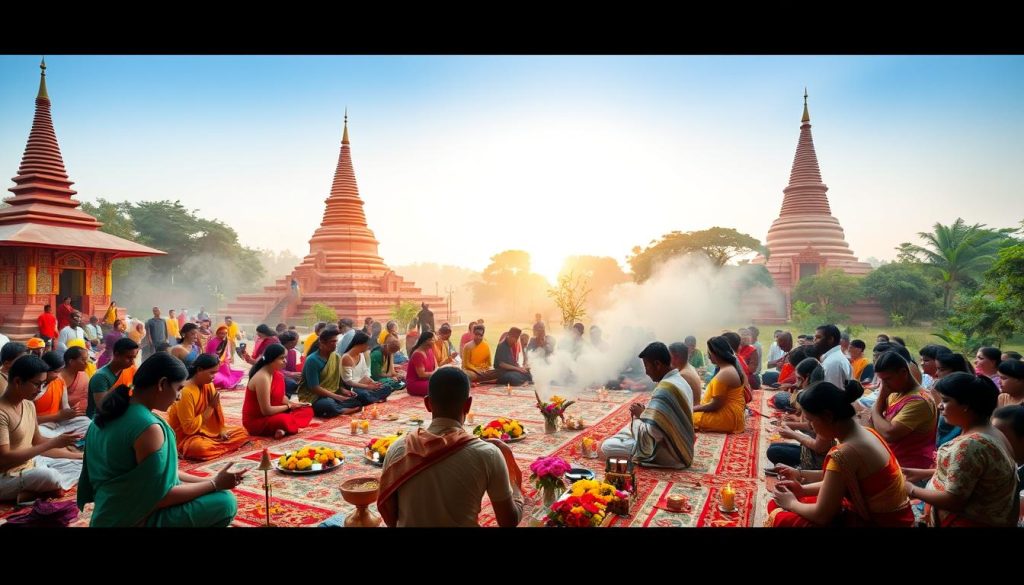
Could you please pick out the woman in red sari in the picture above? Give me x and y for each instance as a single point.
(266, 412)
(421, 365)
(861, 483)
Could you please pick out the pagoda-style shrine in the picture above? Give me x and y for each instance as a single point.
(806, 239)
(343, 269)
(49, 248)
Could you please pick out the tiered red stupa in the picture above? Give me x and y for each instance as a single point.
(49, 248)
(806, 239)
(343, 269)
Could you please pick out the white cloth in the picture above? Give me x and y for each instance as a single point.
(46, 476)
(448, 493)
(623, 443)
(837, 367)
(67, 334)
(78, 425)
(356, 372)
(775, 352)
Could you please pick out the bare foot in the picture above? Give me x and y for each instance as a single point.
(279, 433)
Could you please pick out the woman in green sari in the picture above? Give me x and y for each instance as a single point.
(131, 465)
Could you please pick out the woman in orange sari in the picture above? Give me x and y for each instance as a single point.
(861, 483)
(197, 417)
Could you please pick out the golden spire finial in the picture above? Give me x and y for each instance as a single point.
(807, 115)
(344, 136)
(42, 80)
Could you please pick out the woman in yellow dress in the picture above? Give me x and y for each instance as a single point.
(111, 314)
(722, 402)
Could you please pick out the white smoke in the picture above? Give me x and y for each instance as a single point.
(684, 296)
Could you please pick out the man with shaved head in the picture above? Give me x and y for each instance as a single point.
(438, 476)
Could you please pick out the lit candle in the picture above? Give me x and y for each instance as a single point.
(355, 426)
(508, 389)
(675, 503)
(728, 497)
(470, 417)
(365, 425)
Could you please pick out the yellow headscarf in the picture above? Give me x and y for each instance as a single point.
(90, 366)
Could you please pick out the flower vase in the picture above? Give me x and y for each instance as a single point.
(549, 495)
(550, 426)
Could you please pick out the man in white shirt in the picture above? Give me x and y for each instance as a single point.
(775, 352)
(71, 331)
(830, 354)
(438, 476)
(347, 328)
(93, 333)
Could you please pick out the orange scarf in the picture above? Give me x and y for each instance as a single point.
(50, 401)
(422, 449)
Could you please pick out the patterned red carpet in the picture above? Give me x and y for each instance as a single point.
(310, 500)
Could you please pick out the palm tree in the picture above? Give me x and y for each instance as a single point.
(959, 252)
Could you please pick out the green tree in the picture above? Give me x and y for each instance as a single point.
(804, 316)
(903, 289)
(1005, 282)
(321, 312)
(959, 252)
(995, 311)
(718, 244)
(204, 263)
(403, 313)
(829, 291)
(570, 296)
(116, 221)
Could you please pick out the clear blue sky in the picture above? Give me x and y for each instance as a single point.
(555, 155)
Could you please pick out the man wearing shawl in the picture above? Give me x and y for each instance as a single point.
(662, 435)
(321, 385)
(416, 487)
